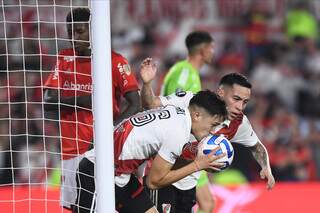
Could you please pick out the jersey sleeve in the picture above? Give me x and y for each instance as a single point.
(170, 149)
(245, 134)
(126, 79)
(179, 99)
(174, 140)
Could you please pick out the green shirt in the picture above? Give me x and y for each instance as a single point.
(181, 76)
(301, 23)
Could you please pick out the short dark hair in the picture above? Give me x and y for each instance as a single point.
(196, 38)
(210, 102)
(78, 15)
(235, 78)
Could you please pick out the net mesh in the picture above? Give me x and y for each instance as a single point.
(32, 32)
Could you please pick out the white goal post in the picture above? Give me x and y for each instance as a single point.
(32, 34)
(102, 97)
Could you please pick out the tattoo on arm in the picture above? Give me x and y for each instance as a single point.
(260, 154)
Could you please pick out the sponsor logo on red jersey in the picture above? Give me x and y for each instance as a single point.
(78, 87)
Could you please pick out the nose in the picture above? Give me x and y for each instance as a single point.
(240, 106)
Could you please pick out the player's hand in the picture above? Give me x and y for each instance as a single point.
(148, 70)
(266, 173)
(209, 161)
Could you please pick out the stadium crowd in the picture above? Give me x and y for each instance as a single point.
(260, 39)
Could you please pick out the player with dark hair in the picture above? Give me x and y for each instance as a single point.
(185, 74)
(195, 39)
(68, 92)
(161, 134)
(235, 90)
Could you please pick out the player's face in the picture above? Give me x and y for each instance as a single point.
(208, 52)
(80, 37)
(203, 123)
(236, 98)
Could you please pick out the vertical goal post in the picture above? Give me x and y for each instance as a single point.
(32, 34)
(102, 107)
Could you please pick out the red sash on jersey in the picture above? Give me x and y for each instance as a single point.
(120, 136)
(190, 150)
(230, 131)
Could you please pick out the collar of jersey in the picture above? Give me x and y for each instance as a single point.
(226, 122)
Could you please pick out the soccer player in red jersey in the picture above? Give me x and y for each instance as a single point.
(68, 91)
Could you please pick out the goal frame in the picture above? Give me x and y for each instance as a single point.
(102, 104)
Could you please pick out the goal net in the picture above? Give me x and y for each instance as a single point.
(32, 35)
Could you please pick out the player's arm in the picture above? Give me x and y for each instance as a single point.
(248, 138)
(161, 173)
(148, 72)
(260, 154)
(126, 85)
(51, 99)
(133, 99)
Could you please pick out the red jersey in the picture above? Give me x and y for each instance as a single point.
(72, 76)
(123, 81)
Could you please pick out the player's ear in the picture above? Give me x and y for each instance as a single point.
(195, 114)
(220, 91)
(202, 50)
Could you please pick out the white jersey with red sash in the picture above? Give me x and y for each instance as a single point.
(237, 131)
(162, 131)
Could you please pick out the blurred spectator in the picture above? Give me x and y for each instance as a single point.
(231, 58)
(300, 22)
(255, 23)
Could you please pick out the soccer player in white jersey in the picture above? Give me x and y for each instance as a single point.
(235, 90)
(161, 133)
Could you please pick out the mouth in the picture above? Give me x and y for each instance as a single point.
(234, 115)
(81, 45)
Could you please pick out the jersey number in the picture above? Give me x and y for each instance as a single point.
(149, 117)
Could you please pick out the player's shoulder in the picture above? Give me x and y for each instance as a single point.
(66, 56)
(179, 112)
(180, 98)
(118, 58)
(183, 94)
(245, 118)
(241, 124)
(66, 52)
(176, 111)
(245, 121)
(184, 64)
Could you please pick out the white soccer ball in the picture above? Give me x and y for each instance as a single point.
(211, 142)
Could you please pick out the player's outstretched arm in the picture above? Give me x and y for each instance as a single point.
(148, 72)
(260, 154)
(161, 173)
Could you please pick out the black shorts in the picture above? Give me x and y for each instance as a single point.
(85, 187)
(173, 200)
(132, 197)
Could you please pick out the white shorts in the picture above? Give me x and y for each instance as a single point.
(68, 189)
